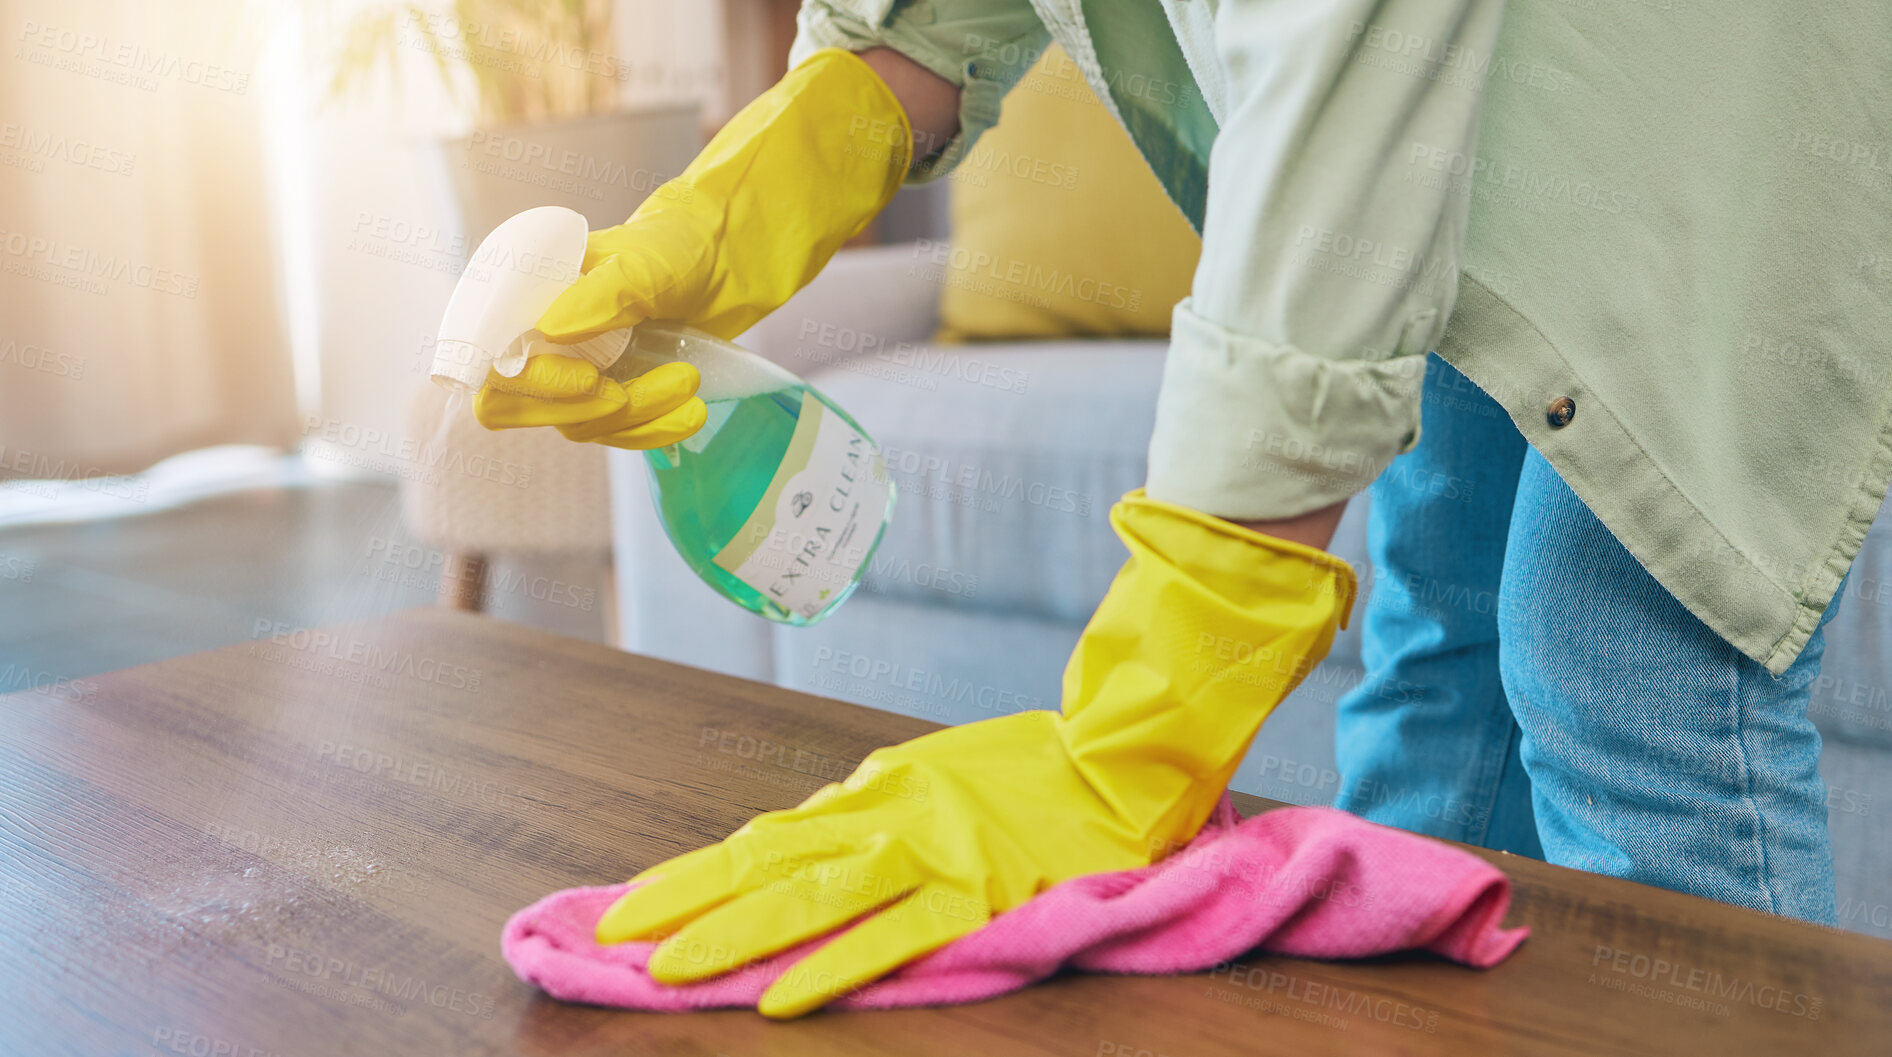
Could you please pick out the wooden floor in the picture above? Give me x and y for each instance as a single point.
(95, 596)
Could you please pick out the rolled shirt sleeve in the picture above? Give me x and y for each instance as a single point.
(1327, 272)
(982, 46)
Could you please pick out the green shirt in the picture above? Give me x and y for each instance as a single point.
(1676, 215)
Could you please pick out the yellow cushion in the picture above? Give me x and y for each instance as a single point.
(1059, 227)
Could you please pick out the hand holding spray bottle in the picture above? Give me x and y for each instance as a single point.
(777, 502)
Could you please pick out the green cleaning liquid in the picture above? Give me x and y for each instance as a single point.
(780, 499)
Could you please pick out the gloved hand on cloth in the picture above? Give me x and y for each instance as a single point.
(1204, 630)
(791, 177)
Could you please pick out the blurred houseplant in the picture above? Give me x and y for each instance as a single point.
(530, 60)
(546, 85)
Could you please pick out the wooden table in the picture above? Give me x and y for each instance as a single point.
(306, 845)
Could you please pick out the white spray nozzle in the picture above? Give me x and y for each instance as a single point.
(512, 278)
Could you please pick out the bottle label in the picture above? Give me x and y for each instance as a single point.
(807, 538)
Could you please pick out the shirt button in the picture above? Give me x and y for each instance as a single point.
(1560, 412)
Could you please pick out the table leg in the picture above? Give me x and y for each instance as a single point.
(463, 581)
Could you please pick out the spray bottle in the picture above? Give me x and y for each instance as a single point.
(777, 502)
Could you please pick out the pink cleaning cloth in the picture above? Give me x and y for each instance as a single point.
(1313, 882)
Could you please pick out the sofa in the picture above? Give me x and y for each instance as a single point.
(1006, 457)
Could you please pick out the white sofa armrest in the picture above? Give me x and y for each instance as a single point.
(865, 300)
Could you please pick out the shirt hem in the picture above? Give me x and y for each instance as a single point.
(1597, 456)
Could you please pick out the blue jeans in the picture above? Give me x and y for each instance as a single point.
(1530, 687)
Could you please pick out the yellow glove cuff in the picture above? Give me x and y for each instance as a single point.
(796, 173)
(1211, 548)
(1203, 632)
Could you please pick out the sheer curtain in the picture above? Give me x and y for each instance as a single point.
(139, 311)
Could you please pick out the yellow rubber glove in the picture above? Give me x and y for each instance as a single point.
(791, 177)
(795, 174)
(1206, 628)
(657, 408)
